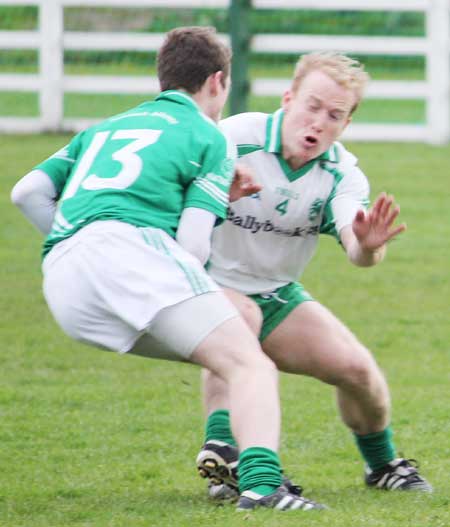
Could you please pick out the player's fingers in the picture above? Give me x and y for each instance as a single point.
(377, 206)
(395, 232)
(384, 211)
(256, 187)
(391, 216)
(244, 175)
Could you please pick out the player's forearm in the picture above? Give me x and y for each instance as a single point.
(357, 254)
(364, 257)
(35, 196)
(194, 232)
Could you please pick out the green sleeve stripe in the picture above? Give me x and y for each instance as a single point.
(213, 191)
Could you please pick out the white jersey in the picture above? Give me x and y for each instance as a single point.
(268, 239)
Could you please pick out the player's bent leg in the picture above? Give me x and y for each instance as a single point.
(228, 348)
(312, 341)
(214, 389)
(207, 330)
(218, 458)
(233, 353)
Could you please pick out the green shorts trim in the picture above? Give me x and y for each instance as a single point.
(277, 305)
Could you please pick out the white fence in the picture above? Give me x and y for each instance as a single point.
(52, 40)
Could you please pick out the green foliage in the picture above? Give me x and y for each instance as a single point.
(18, 18)
(160, 20)
(318, 22)
(91, 439)
(18, 61)
(97, 106)
(370, 111)
(157, 20)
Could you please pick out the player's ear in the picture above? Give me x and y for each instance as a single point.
(286, 99)
(215, 82)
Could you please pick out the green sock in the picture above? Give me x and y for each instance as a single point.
(218, 427)
(259, 470)
(377, 449)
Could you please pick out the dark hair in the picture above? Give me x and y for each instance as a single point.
(189, 55)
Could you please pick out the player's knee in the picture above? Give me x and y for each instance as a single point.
(256, 362)
(363, 374)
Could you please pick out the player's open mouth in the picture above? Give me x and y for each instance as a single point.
(310, 140)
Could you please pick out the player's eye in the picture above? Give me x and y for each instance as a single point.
(336, 116)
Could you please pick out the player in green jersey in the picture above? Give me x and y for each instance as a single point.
(123, 270)
(310, 185)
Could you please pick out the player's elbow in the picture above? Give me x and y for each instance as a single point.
(19, 195)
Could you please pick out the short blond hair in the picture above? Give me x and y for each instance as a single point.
(346, 71)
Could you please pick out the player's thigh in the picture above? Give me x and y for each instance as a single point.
(312, 341)
(232, 349)
(230, 344)
(178, 330)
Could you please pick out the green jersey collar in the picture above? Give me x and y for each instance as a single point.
(180, 97)
(273, 132)
(331, 155)
(273, 145)
(184, 98)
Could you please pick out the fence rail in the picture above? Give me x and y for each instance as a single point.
(51, 40)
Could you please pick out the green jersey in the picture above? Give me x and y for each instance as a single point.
(141, 167)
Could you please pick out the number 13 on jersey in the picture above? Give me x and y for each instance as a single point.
(131, 163)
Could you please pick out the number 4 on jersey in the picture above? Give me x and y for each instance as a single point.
(282, 207)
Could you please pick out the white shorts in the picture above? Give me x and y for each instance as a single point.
(108, 282)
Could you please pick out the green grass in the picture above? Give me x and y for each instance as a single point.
(91, 439)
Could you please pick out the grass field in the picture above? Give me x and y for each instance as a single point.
(88, 438)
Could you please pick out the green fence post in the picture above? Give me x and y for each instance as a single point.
(240, 43)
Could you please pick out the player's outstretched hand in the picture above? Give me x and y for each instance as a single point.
(244, 183)
(375, 227)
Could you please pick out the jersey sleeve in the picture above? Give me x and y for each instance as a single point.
(350, 194)
(210, 188)
(59, 165)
